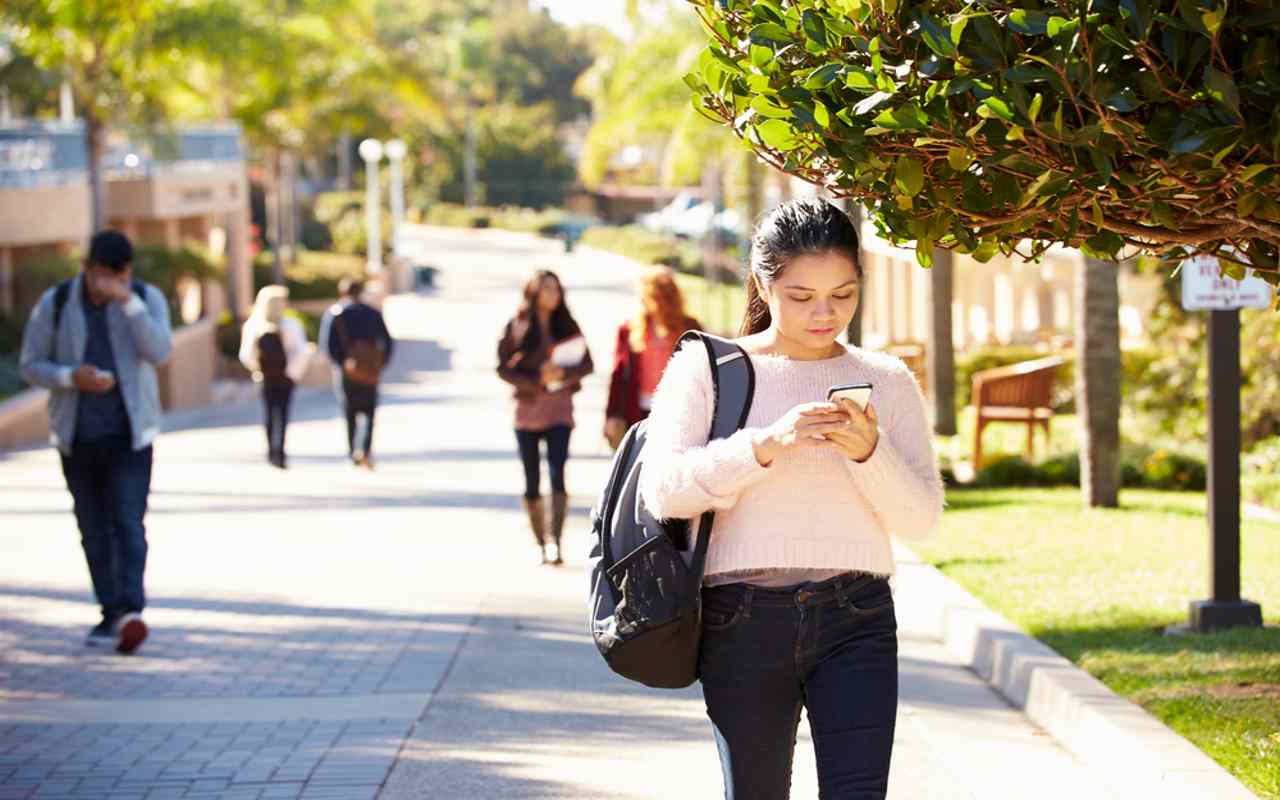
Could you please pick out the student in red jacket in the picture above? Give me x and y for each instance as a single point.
(645, 343)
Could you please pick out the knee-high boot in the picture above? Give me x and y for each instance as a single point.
(538, 523)
(559, 509)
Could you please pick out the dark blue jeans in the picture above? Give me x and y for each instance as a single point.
(110, 482)
(831, 648)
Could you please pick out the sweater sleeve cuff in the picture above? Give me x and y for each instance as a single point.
(884, 471)
(135, 306)
(735, 462)
(66, 377)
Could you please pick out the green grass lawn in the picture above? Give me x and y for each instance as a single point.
(1100, 586)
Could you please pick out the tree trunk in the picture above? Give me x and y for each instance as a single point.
(854, 332)
(940, 351)
(470, 180)
(95, 141)
(1098, 381)
(344, 161)
(274, 221)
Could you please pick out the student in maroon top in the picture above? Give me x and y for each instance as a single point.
(543, 397)
(645, 343)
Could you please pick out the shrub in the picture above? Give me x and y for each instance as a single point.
(315, 276)
(1261, 479)
(1063, 470)
(228, 334)
(35, 276)
(10, 334)
(1165, 470)
(645, 246)
(11, 381)
(1008, 471)
(342, 214)
(164, 269)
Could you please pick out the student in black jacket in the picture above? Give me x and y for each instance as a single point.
(361, 347)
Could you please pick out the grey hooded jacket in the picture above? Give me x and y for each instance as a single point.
(140, 340)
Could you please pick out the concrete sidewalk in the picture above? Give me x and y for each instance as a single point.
(331, 633)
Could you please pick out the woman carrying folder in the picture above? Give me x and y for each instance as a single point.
(543, 355)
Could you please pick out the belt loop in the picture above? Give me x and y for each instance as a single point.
(746, 602)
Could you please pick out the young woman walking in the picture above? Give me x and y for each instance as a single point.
(797, 608)
(543, 396)
(645, 344)
(273, 347)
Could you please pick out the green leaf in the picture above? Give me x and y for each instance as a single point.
(1037, 186)
(815, 29)
(1097, 213)
(1252, 172)
(936, 36)
(1055, 26)
(767, 108)
(908, 176)
(1036, 103)
(860, 80)
(998, 107)
(1247, 204)
(1057, 119)
(1222, 88)
(777, 134)
(822, 77)
(959, 158)
(1033, 23)
(957, 29)
(1015, 134)
(869, 104)
(771, 32)
(924, 252)
(908, 117)
(821, 115)
(760, 56)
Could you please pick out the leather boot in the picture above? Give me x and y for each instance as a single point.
(538, 523)
(559, 508)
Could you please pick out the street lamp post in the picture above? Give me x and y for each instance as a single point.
(395, 174)
(371, 152)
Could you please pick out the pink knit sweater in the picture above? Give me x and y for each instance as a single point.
(811, 508)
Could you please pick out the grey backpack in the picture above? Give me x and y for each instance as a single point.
(646, 582)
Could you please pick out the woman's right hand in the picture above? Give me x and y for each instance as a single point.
(805, 425)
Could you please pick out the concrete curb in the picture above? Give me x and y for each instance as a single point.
(1098, 726)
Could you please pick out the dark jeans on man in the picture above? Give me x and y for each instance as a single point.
(110, 482)
(557, 439)
(276, 399)
(360, 400)
(829, 647)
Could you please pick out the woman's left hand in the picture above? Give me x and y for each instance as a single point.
(859, 438)
(552, 373)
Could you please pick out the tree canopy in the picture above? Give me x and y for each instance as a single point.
(990, 127)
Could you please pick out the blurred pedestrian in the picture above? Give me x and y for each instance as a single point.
(361, 346)
(645, 344)
(273, 346)
(326, 329)
(94, 343)
(543, 354)
(797, 611)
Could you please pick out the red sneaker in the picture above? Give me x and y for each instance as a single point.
(131, 632)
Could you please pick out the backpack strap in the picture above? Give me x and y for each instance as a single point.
(733, 380)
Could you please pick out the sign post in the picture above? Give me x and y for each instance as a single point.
(1204, 288)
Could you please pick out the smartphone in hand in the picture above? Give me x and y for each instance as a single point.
(859, 393)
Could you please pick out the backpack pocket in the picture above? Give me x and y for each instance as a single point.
(652, 584)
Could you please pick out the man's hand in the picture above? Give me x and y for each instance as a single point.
(86, 378)
(114, 289)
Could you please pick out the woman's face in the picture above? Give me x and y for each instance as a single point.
(814, 298)
(549, 295)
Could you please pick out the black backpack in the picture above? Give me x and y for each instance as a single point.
(272, 360)
(62, 292)
(646, 585)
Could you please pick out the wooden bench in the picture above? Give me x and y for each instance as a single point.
(1020, 393)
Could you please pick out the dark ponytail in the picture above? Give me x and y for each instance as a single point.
(795, 228)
